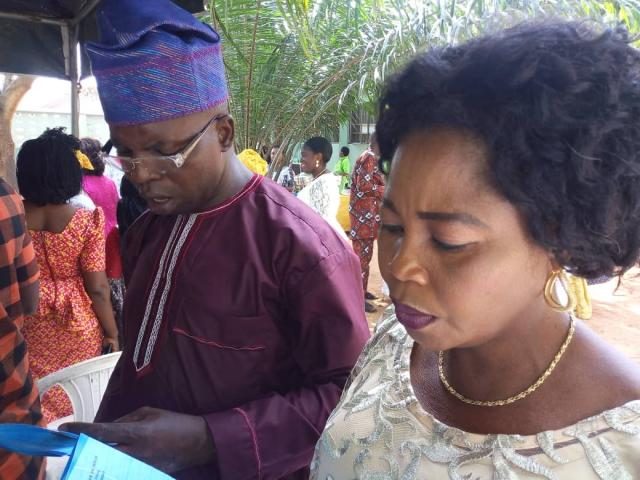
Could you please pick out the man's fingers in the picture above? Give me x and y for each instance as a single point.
(105, 432)
(138, 415)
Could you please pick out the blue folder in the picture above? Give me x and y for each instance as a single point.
(90, 458)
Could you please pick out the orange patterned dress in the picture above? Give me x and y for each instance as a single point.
(65, 329)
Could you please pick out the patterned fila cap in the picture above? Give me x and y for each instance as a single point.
(154, 62)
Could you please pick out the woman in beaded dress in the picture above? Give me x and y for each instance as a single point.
(74, 320)
(323, 192)
(514, 160)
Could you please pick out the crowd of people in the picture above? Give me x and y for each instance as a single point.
(75, 318)
(503, 173)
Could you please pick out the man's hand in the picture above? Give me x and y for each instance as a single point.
(113, 341)
(166, 440)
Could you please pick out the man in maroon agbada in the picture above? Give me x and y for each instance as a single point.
(257, 307)
(243, 315)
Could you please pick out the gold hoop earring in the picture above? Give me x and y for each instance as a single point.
(577, 292)
(559, 277)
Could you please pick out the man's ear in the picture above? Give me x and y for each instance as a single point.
(226, 130)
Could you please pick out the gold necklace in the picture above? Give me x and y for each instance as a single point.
(519, 396)
(321, 173)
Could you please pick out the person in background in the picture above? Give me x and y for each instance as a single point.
(104, 194)
(367, 190)
(19, 401)
(82, 200)
(113, 172)
(287, 178)
(286, 175)
(322, 193)
(130, 206)
(101, 189)
(343, 168)
(264, 154)
(515, 166)
(276, 155)
(241, 315)
(74, 320)
(253, 161)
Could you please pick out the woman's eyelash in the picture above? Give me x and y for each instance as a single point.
(440, 245)
(393, 229)
(447, 247)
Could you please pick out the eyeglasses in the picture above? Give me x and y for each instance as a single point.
(161, 163)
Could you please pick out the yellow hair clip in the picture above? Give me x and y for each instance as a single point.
(83, 160)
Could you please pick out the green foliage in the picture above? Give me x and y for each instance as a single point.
(298, 68)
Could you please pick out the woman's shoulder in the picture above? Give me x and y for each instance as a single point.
(85, 219)
(89, 214)
(329, 183)
(388, 341)
(601, 387)
(610, 357)
(330, 178)
(611, 378)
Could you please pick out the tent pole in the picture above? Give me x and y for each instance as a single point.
(72, 45)
(32, 18)
(86, 10)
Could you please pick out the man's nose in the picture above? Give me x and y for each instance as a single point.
(143, 173)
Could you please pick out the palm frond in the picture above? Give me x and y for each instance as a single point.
(301, 67)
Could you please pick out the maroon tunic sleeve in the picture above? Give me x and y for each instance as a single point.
(327, 307)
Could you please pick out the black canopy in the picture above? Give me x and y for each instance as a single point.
(38, 37)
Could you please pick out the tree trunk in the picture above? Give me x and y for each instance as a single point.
(14, 89)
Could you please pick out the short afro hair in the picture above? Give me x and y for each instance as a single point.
(47, 168)
(344, 152)
(320, 145)
(557, 105)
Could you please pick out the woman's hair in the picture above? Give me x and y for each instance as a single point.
(344, 152)
(320, 145)
(92, 149)
(47, 168)
(557, 106)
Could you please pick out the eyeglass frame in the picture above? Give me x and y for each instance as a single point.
(178, 159)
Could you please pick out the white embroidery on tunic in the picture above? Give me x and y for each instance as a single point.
(152, 293)
(168, 262)
(169, 257)
(167, 288)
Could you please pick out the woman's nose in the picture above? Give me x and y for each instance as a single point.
(405, 265)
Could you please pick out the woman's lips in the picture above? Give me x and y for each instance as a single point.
(411, 318)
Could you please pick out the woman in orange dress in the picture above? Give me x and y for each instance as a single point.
(74, 321)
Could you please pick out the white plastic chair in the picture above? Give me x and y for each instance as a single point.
(84, 383)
